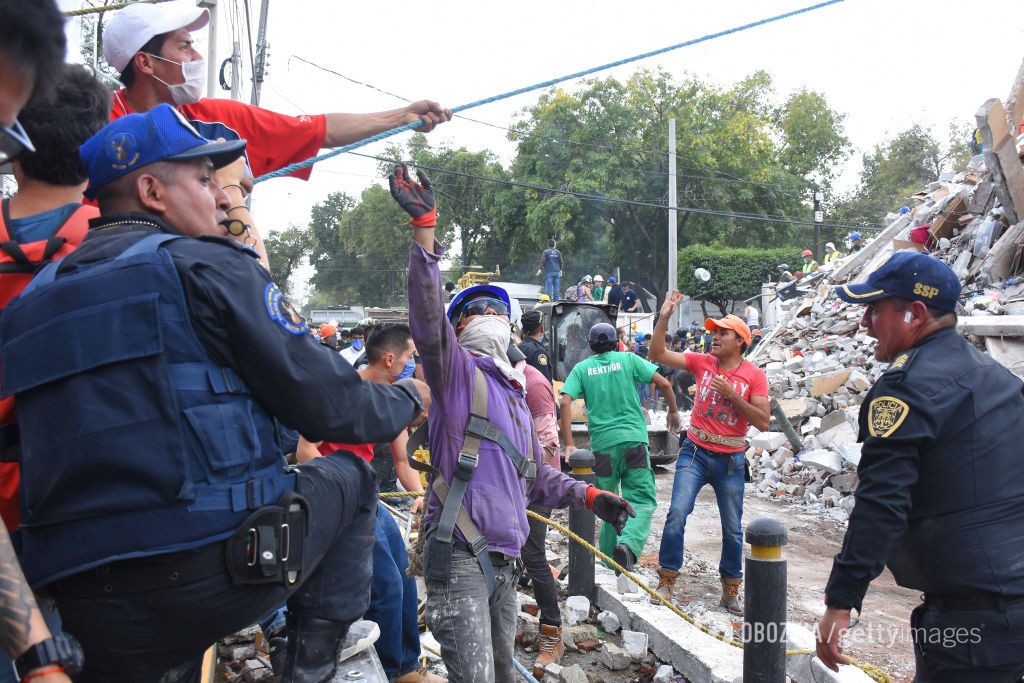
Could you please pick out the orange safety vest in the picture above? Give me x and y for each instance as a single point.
(18, 263)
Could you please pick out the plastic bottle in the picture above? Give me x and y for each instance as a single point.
(983, 238)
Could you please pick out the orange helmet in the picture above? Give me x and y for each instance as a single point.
(807, 253)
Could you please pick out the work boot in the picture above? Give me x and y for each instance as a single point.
(312, 651)
(666, 584)
(550, 647)
(421, 675)
(278, 649)
(624, 556)
(731, 596)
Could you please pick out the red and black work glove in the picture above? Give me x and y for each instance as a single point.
(610, 508)
(417, 199)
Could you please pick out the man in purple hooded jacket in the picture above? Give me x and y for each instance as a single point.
(473, 621)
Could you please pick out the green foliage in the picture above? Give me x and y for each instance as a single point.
(285, 251)
(736, 274)
(899, 167)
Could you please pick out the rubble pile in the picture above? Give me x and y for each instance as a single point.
(820, 363)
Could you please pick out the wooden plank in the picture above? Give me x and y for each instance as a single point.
(948, 218)
(992, 325)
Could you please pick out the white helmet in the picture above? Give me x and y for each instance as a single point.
(587, 279)
(598, 278)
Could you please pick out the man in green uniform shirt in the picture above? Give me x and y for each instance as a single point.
(618, 433)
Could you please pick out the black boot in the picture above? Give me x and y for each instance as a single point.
(313, 646)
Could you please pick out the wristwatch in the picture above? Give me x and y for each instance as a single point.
(409, 388)
(61, 649)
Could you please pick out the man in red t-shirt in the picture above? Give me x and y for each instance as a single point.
(732, 394)
(150, 45)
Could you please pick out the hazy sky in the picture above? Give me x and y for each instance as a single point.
(885, 63)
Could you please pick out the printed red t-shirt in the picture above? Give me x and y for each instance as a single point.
(274, 140)
(714, 413)
(363, 450)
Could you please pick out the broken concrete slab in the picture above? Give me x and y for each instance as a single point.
(615, 657)
(573, 674)
(823, 459)
(844, 483)
(663, 674)
(635, 644)
(577, 609)
(768, 440)
(833, 419)
(820, 385)
(992, 326)
(609, 621)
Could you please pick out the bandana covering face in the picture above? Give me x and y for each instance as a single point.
(489, 336)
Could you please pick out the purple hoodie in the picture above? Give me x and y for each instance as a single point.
(496, 498)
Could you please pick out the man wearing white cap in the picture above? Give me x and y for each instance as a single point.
(150, 45)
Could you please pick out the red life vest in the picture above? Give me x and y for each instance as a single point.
(18, 263)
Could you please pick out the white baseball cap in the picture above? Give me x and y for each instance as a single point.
(132, 27)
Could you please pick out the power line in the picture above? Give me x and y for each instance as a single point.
(726, 177)
(630, 202)
(291, 168)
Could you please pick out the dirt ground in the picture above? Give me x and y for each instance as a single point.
(882, 638)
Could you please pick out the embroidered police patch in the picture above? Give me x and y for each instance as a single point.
(542, 359)
(281, 310)
(885, 415)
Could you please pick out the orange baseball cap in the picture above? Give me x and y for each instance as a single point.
(327, 330)
(729, 322)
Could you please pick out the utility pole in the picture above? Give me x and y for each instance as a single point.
(819, 218)
(261, 54)
(673, 257)
(212, 76)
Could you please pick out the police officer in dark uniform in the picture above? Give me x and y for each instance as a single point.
(941, 493)
(533, 332)
(157, 504)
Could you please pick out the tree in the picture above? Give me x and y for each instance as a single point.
(736, 274)
(737, 152)
(285, 251)
(899, 167)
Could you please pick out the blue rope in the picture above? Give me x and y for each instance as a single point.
(537, 86)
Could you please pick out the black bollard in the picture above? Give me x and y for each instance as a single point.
(581, 522)
(764, 603)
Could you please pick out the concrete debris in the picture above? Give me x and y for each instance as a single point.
(572, 674)
(768, 440)
(822, 459)
(614, 657)
(625, 585)
(609, 621)
(663, 675)
(577, 609)
(552, 673)
(635, 644)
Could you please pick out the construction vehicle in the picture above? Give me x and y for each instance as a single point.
(567, 325)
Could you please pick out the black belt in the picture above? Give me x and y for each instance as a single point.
(498, 560)
(980, 601)
(145, 574)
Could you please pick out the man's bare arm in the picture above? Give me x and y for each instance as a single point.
(344, 129)
(565, 417)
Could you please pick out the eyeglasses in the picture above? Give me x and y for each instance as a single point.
(480, 306)
(14, 143)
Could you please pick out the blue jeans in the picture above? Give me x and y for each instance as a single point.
(696, 467)
(393, 601)
(553, 285)
(643, 391)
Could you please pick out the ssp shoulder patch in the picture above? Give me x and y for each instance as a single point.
(281, 310)
(885, 415)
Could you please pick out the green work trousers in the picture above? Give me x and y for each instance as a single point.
(627, 465)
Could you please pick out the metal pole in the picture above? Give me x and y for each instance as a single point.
(212, 64)
(764, 603)
(786, 426)
(819, 218)
(261, 54)
(673, 256)
(581, 522)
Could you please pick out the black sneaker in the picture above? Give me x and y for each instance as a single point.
(624, 556)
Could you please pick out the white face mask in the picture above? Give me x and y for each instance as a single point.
(191, 91)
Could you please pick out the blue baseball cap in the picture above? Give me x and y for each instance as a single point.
(908, 275)
(136, 140)
(603, 332)
(476, 292)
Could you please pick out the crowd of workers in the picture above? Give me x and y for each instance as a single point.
(163, 382)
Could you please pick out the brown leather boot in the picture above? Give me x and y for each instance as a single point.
(420, 676)
(731, 596)
(550, 648)
(666, 584)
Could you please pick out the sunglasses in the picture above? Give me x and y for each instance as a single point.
(480, 306)
(14, 143)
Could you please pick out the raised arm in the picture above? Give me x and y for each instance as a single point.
(659, 353)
